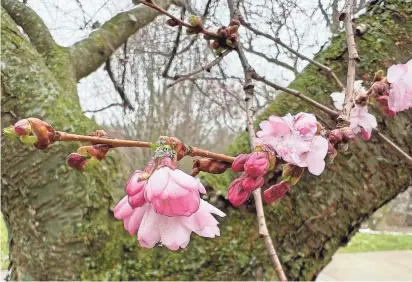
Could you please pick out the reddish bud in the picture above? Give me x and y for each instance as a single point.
(234, 37)
(335, 136)
(362, 100)
(380, 88)
(172, 22)
(222, 32)
(232, 29)
(22, 127)
(210, 166)
(257, 164)
(43, 131)
(239, 162)
(250, 183)
(347, 134)
(76, 161)
(383, 105)
(237, 195)
(98, 151)
(292, 173)
(276, 192)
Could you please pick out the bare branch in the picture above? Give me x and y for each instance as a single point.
(118, 88)
(104, 108)
(346, 17)
(284, 45)
(32, 25)
(206, 67)
(89, 54)
(393, 146)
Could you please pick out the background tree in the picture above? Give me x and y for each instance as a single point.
(60, 222)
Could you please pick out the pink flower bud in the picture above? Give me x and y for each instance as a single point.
(306, 124)
(234, 22)
(76, 161)
(276, 192)
(380, 88)
(335, 136)
(383, 105)
(257, 164)
(22, 127)
(135, 190)
(347, 134)
(237, 195)
(239, 162)
(252, 183)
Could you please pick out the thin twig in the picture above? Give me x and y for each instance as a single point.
(206, 67)
(346, 17)
(330, 112)
(104, 108)
(118, 88)
(393, 146)
(116, 143)
(179, 21)
(284, 45)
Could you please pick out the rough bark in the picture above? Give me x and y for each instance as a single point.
(60, 222)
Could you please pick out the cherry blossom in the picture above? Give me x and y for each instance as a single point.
(400, 94)
(338, 98)
(362, 122)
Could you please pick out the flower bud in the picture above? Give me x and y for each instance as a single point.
(76, 161)
(380, 88)
(250, 183)
(237, 195)
(22, 127)
(43, 131)
(292, 173)
(379, 75)
(232, 29)
(383, 105)
(335, 136)
(347, 134)
(257, 164)
(210, 166)
(234, 38)
(98, 151)
(276, 192)
(196, 21)
(239, 162)
(362, 100)
(172, 22)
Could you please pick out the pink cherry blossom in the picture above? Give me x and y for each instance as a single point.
(294, 140)
(257, 164)
(173, 192)
(362, 122)
(400, 94)
(173, 232)
(305, 124)
(135, 190)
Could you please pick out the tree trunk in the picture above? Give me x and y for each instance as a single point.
(60, 222)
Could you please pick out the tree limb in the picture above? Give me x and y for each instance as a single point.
(32, 25)
(89, 54)
(119, 89)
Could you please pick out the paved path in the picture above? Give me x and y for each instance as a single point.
(376, 266)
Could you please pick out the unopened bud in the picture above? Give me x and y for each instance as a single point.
(347, 134)
(76, 161)
(98, 151)
(362, 100)
(232, 29)
(276, 192)
(257, 164)
(250, 183)
(239, 162)
(196, 21)
(383, 105)
(210, 166)
(237, 195)
(380, 88)
(172, 22)
(335, 136)
(292, 173)
(379, 75)
(22, 127)
(43, 131)
(222, 32)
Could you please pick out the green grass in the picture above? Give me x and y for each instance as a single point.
(4, 250)
(363, 242)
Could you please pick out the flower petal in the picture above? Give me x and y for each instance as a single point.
(149, 235)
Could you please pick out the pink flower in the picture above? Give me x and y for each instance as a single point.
(239, 162)
(294, 140)
(400, 94)
(237, 195)
(362, 122)
(276, 192)
(305, 124)
(251, 183)
(173, 232)
(173, 192)
(135, 190)
(257, 164)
